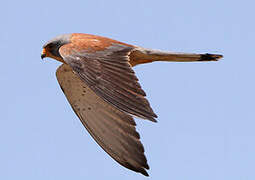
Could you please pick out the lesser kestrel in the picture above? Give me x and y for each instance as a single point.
(97, 78)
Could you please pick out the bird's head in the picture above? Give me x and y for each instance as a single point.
(51, 48)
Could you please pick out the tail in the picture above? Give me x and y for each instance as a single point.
(142, 55)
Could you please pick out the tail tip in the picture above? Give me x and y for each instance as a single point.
(210, 57)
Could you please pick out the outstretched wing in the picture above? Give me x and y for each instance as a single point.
(108, 73)
(111, 128)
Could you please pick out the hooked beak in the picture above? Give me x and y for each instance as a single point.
(43, 54)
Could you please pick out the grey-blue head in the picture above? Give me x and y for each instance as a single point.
(51, 48)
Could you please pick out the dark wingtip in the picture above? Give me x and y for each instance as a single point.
(144, 172)
(141, 169)
(152, 118)
(210, 57)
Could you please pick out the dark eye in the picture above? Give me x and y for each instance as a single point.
(50, 45)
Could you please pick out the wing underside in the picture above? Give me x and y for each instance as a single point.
(112, 129)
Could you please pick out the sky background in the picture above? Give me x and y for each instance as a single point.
(206, 110)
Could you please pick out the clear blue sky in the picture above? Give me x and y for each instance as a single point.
(206, 123)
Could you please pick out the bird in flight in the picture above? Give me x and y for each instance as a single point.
(99, 83)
